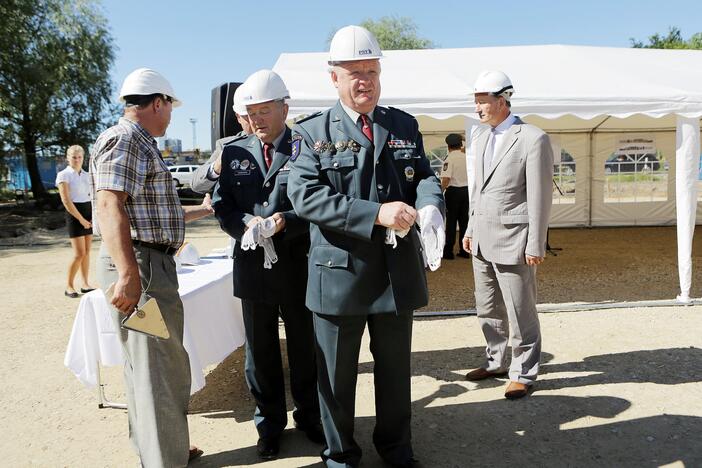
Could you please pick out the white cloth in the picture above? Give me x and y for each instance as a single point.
(213, 324)
(391, 236)
(433, 235)
(78, 184)
(260, 233)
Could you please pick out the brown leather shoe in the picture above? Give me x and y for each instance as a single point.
(482, 374)
(516, 390)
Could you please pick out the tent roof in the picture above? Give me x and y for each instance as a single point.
(550, 81)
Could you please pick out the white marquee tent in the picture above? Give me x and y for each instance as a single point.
(596, 103)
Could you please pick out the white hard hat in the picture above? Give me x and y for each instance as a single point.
(263, 86)
(143, 82)
(353, 43)
(494, 82)
(239, 107)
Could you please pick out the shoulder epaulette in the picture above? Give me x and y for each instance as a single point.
(401, 111)
(231, 139)
(309, 117)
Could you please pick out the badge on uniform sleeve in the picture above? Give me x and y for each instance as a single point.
(245, 164)
(296, 145)
(446, 166)
(234, 164)
(409, 173)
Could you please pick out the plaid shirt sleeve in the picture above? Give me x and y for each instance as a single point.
(119, 166)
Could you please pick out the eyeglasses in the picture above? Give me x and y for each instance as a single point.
(167, 98)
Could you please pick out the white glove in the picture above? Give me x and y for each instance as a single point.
(269, 255)
(391, 236)
(433, 235)
(251, 237)
(267, 227)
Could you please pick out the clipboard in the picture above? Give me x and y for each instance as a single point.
(146, 319)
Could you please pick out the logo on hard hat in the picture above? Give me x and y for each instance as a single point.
(365, 52)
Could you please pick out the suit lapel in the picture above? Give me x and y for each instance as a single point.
(480, 147)
(510, 139)
(380, 131)
(256, 150)
(280, 156)
(349, 128)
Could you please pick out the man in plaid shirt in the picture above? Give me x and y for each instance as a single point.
(142, 224)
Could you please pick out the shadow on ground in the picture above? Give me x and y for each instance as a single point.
(529, 431)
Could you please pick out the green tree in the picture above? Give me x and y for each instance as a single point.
(55, 58)
(673, 40)
(394, 33)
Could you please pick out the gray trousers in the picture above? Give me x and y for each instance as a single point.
(505, 296)
(338, 340)
(156, 372)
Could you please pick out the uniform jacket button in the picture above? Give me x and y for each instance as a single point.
(380, 186)
(329, 263)
(268, 184)
(336, 164)
(265, 203)
(238, 183)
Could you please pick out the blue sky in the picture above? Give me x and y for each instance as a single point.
(198, 45)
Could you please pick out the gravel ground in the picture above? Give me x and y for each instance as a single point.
(618, 387)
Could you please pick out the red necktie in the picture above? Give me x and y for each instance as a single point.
(367, 129)
(267, 156)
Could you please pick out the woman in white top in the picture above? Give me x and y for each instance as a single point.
(74, 186)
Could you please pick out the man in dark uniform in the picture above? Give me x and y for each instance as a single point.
(251, 187)
(358, 170)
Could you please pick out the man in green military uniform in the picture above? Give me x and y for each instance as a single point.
(360, 176)
(251, 197)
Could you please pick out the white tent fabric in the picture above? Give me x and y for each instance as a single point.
(585, 97)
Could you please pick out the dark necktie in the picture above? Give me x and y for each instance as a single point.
(268, 154)
(366, 127)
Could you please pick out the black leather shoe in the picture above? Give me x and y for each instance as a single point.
(314, 433)
(72, 295)
(268, 447)
(86, 290)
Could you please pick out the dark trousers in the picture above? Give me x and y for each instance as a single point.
(338, 344)
(264, 366)
(457, 209)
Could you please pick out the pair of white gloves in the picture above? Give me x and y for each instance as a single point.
(260, 234)
(432, 235)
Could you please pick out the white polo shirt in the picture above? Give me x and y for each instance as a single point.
(78, 184)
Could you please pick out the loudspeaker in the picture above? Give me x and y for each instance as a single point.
(224, 121)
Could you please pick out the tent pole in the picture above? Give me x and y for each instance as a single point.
(591, 163)
(687, 154)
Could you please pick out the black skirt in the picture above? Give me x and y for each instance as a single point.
(75, 229)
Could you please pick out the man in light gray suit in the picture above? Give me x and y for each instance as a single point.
(510, 208)
(206, 176)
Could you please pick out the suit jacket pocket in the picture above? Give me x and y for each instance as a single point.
(330, 257)
(514, 219)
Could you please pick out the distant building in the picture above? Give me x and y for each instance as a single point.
(171, 145)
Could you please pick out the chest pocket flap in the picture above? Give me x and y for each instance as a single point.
(338, 162)
(331, 257)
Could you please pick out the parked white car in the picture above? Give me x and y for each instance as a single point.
(183, 175)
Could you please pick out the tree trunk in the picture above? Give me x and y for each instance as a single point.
(30, 155)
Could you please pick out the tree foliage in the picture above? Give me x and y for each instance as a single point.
(673, 40)
(55, 59)
(394, 33)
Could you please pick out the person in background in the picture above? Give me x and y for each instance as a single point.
(142, 225)
(511, 205)
(454, 183)
(206, 176)
(74, 187)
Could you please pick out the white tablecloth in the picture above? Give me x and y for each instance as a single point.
(214, 326)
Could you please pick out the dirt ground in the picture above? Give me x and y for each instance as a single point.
(618, 387)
